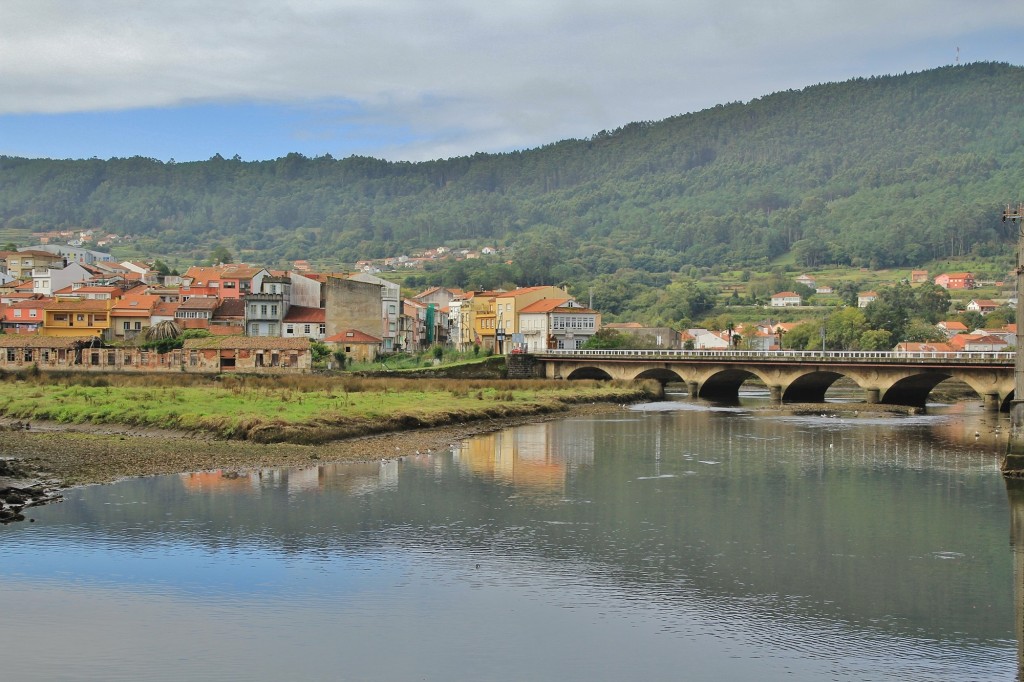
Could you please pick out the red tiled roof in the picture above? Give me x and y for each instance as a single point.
(298, 313)
(351, 336)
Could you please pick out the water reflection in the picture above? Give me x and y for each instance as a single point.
(719, 542)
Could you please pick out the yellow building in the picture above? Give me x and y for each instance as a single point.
(493, 316)
(76, 317)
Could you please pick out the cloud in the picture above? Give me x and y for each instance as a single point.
(460, 75)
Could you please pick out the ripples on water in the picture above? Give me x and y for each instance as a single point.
(674, 541)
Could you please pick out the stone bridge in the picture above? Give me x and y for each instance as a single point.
(794, 376)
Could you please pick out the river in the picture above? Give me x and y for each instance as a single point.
(669, 541)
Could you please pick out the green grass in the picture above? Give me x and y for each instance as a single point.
(240, 408)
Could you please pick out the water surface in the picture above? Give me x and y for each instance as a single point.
(672, 541)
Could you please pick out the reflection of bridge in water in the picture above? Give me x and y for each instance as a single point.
(795, 376)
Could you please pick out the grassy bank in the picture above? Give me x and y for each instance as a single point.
(302, 409)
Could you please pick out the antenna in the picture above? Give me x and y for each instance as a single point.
(958, 55)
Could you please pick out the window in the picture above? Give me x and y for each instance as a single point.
(273, 329)
(273, 310)
(10, 355)
(323, 330)
(263, 310)
(138, 326)
(79, 318)
(289, 329)
(33, 312)
(127, 325)
(17, 312)
(306, 329)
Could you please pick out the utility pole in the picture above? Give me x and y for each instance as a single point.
(1013, 463)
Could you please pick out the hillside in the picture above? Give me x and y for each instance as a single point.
(877, 172)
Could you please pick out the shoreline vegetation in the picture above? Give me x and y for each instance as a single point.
(75, 430)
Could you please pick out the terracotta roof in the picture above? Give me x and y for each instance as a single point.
(72, 304)
(200, 303)
(136, 305)
(43, 341)
(165, 309)
(231, 307)
(298, 313)
(544, 305)
(786, 294)
(351, 336)
(248, 342)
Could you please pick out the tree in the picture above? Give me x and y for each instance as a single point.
(221, 254)
(843, 329)
(932, 302)
(319, 351)
(806, 336)
(875, 339)
(607, 338)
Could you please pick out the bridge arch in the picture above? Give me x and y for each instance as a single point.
(589, 373)
(725, 385)
(811, 387)
(662, 376)
(913, 390)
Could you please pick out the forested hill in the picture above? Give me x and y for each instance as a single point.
(882, 171)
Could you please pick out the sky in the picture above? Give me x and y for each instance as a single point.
(412, 80)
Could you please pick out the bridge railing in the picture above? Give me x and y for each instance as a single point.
(839, 356)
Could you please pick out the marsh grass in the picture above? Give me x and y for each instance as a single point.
(294, 409)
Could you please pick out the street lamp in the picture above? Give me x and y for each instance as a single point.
(729, 327)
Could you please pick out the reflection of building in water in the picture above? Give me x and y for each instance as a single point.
(220, 481)
(1015, 492)
(535, 457)
(352, 478)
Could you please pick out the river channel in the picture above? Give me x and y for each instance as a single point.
(669, 541)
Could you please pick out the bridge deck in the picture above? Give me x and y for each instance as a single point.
(960, 359)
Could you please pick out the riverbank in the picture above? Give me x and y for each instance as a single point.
(68, 455)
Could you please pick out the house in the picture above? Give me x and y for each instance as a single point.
(23, 316)
(21, 264)
(786, 299)
(20, 351)
(806, 280)
(704, 339)
(955, 280)
(918, 276)
(982, 305)
(46, 280)
(265, 308)
(76, 317)
(389, 296)
(866, 298)
(264, 354)
(132, 315)
(952, 327)
(303, 321)
(355, 344)
(554, 323)
(196, 312)
(824, 289)
(90, 292)
(978, 343)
